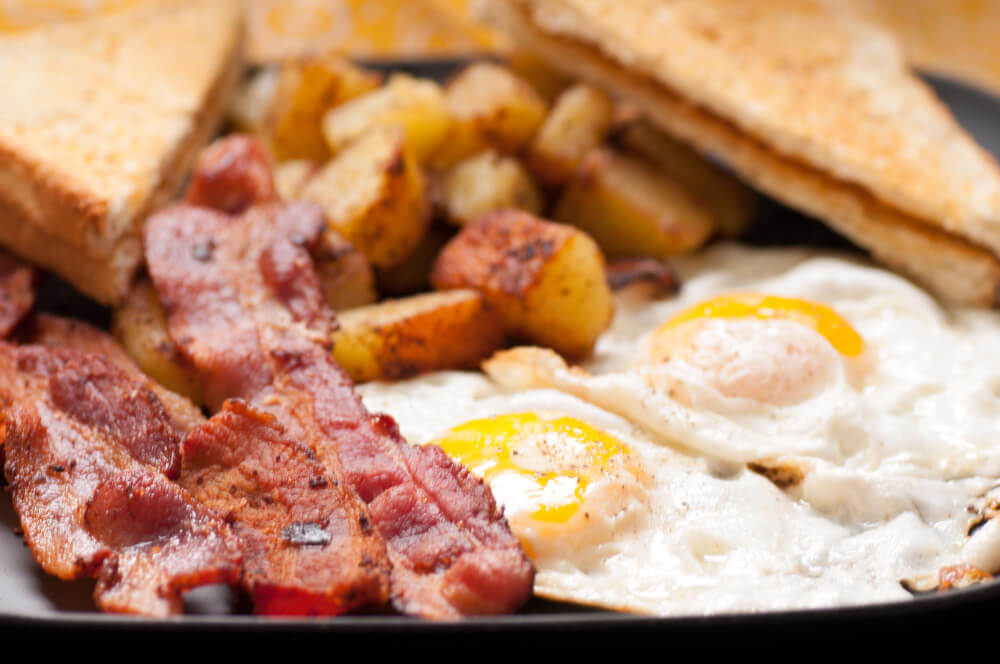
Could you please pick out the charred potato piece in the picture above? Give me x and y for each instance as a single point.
(731, 203)
(140, 325)
(490, 107)
(413, 274)
(632, 209)
(546, 280)
(417, 105)
(373, 194)
(305, 91)
(345, 274)
(429, 332)
(578, 122)
(485, 183)
(291, 176)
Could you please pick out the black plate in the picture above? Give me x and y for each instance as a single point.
(31, 599)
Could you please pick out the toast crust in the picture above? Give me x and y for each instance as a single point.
(81, 215)
(951, 267)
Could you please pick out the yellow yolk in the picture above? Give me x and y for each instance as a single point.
(545, 450)
(818, 317)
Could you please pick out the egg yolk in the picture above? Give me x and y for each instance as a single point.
(559, 453)
(818, 317)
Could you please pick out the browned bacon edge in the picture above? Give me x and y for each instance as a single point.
(17, 292)
(308, 546)
(244, 306)
(89, 451)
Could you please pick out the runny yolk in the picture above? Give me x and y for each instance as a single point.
(818, 317)
(557, 449)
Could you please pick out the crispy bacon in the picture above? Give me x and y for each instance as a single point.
(244, 305)
(49, 330)
(17, 292)
(232, 174)
(88, 454)
(308, 544)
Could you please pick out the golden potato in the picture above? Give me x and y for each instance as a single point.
(306, 90)
(731, 203)
(633, 209)
(413, 275)
(547, 81)
(373, 194)
(490, 107)
(484, 183)
(417, 105)
(140, 325)
(346, 275)
(578, 122)
(546, 280)
(291, 176)
(428, 332)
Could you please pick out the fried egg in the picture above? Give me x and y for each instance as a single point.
(790, 431)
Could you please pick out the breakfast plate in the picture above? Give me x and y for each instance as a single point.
(29, 597)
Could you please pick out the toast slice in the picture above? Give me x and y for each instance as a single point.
(920, 240)
(101, 121)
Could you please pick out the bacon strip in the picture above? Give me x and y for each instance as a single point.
(244, 305)
(17, 292)
(308, 544)
(89, 451)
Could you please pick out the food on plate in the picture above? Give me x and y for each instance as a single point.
(17, 292)
(578, 122)
(731, 203)
(413, 274)
(89, 150)
(307, 546)
(373, 194)
(246, 309)
(546, 280)
(490, 107)
(232, 174)
(487, 182)
(345, 274)
(304, 91)
(655, 273)
(848, 134)
(427, 332)
(140, 326)
(94, 496)
(290, 176)
(633, 209)
(791, 430)
(416, 105)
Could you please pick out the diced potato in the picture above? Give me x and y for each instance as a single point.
(252, 100)
(547, 81)
(373, 194)
(346, 276)
(546, 280)
(578, 122)
(413, 275)
(731, 203)
(487, 182)
(491, 107)
(417, 105)
(633, 209)
(306, 90)
(428, 332)
(140, 325)
(291, 176)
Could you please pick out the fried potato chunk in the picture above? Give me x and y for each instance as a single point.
(731, 203)
(413, 275)
(487, 182)
(305, 90)
(546, 80)
(140, 325)
(490, 107)
(546, 280)
(578, 122)
(373, 194)
(633, 209)
(291, 176)
(345, 274)
(428, 332)
(417, 105)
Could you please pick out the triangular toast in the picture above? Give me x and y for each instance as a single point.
(100, 120)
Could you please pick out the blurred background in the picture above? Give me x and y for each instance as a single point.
(954, 38)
